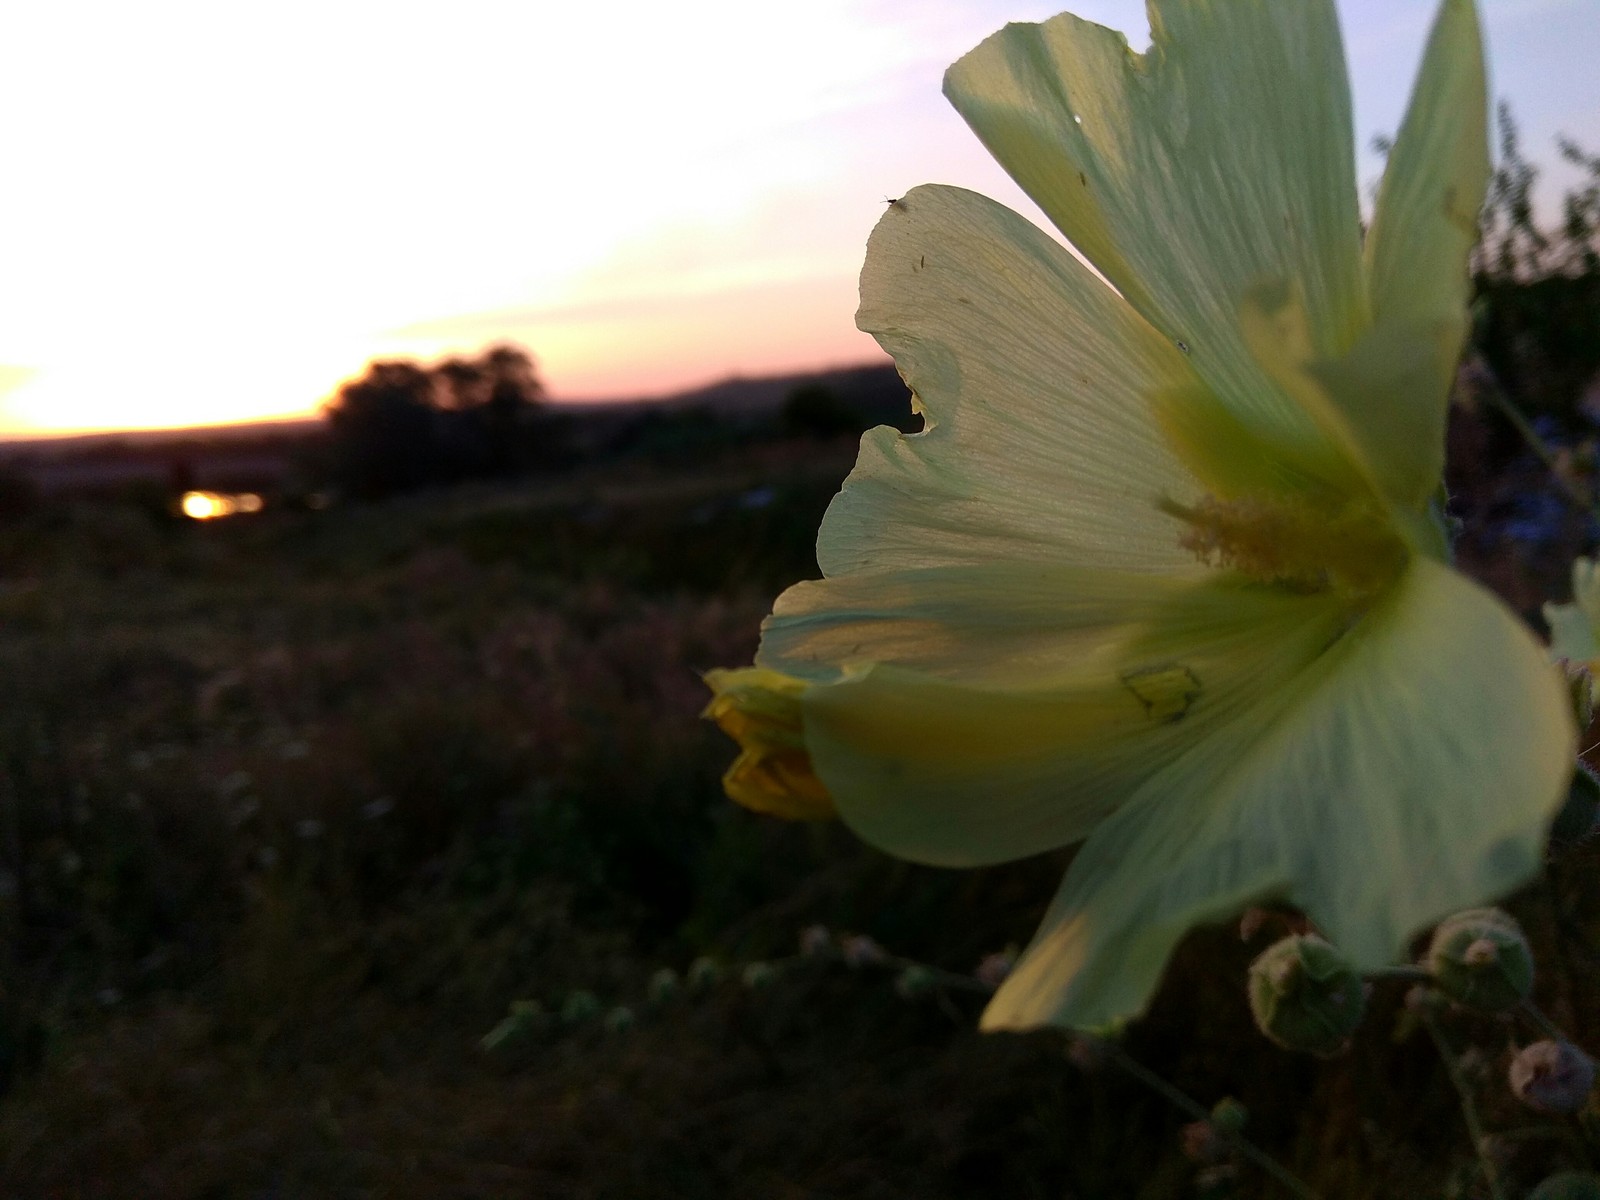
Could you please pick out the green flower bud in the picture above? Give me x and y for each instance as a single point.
(1229, 1116)
(663, 987)
(914, 982)
(619, 1019)
(758, 976)
(1305, 996)
(1481, 959)
(1568, 1185)
(579, 1006)
(1552, 1077)
(1576, 820)
(704, 974)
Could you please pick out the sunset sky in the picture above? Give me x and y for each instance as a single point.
(214, 212)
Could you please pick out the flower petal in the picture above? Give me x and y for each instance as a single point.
(1036, 380)
(1426, 218)
(1220, 160)
(1399, 780)
(1395, 385)
(982, 626)
(1380, 403)
(935, 754)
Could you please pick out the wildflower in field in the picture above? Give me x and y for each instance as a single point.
(1164, 574)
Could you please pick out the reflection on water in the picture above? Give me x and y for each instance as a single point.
(204, 506)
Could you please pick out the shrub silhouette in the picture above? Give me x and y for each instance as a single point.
(402, 425)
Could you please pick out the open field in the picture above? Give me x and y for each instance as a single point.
(294, 807)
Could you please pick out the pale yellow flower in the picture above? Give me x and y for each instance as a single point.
(1164, 574)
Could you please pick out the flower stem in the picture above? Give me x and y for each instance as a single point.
(1543, 1023)
(1469, 1110)
(1195, 1109)
(1402, 974)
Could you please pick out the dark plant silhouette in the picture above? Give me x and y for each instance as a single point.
(1538, 290)
(815, 410)
(402, 425)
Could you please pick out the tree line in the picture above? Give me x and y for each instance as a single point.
(402, 424)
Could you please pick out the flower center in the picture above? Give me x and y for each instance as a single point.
(1283, 540)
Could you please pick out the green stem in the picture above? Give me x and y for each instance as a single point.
(1191, 1106)
(1402, 974)
(1541, 1022)
(1469, 1110)
(941, 978)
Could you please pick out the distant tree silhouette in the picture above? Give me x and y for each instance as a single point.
(383, 429)
(402, 425)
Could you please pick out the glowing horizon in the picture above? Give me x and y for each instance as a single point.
(673, 199)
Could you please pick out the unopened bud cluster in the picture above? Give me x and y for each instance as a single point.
(665, 988)
(1306, 996)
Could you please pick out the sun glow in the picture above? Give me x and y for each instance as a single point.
(207, 506)
(679, 195)
(418, 169)
(159, 388)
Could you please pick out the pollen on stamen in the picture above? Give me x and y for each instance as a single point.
(1284, 541)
